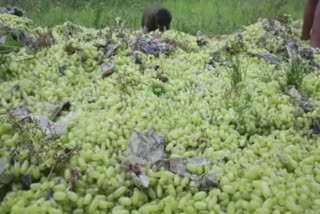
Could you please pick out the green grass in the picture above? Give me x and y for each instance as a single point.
(293, 75)
(207, 16)
(237, 73)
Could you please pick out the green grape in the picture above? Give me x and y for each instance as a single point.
(199, 196)
(72, 196)
(59, 196)
(200, 205)
(125, 201)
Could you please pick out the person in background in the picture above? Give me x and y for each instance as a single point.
(311, 23)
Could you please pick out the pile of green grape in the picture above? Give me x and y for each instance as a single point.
(214, 101)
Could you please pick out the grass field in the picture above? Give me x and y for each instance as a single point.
(214, 16)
